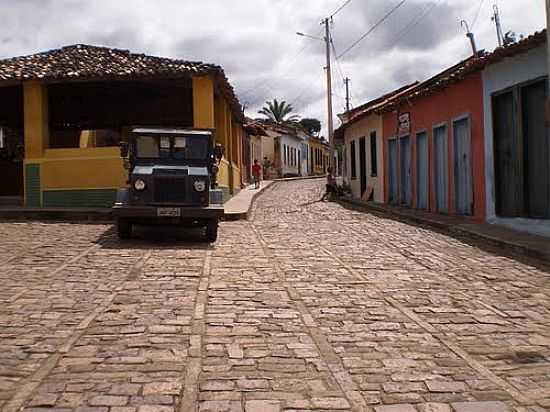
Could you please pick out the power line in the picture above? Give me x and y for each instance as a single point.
(413, 23)
(263, 82)
(477, 13)
(376, 25)
(340, 8)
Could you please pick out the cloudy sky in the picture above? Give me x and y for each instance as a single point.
(255, 40)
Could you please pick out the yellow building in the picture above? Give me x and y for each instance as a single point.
(319, 155)
(69, 108)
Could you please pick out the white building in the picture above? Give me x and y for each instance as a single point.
(287, 150)
(517, 146)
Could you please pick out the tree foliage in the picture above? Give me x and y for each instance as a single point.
(310, 125)
(279, 112)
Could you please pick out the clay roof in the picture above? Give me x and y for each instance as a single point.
(85, 62)
(254, 127)
(444, 79)
(467, 67)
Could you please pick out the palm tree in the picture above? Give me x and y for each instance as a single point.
(278, 112)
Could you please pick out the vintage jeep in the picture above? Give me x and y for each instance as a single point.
(172, 180)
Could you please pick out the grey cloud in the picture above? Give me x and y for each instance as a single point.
(255, 40)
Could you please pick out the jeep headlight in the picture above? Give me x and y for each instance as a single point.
(139, 185)
(200, 185)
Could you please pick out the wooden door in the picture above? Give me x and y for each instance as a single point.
(392, 172)
(463, 167)
(422, 170)
(363, 165)
(441, 169)
(536, 151)
(405, 170)
(508, 156)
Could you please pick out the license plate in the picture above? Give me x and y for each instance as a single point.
(169, 211)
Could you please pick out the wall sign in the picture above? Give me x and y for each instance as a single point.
(404, 123)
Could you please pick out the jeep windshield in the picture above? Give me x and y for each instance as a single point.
(172, 147)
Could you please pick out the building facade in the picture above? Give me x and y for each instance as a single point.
(361, 135)
(517, 148)
(69, 108)
(434, 146)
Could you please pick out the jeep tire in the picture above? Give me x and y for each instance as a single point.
(124, 228)
(212, 230)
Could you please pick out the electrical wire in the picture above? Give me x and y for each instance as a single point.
(413, 23)
(376, 25)
(264, 82)
(340, 8)
(477, 13)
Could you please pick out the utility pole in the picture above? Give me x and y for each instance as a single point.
(496, 19)
(328, 40)
(346, 81)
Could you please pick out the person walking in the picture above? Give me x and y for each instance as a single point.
(256, 173)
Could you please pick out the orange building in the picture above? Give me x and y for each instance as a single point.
(434, 144)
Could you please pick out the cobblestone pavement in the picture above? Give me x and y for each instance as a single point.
(306, 307)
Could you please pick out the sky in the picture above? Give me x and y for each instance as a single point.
(255, 41)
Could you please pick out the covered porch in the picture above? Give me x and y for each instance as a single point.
(60, 135)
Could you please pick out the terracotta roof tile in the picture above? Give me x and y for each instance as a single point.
(85, 62)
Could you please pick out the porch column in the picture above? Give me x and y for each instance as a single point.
(229, 146)
(37, 134)
(203, 102)
(37, 137)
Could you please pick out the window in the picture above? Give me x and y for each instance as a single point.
(147, 147)
(373, 155)
(353, 165)
(284, 153)
(2, 140)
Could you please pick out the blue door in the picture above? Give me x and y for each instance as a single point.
(422, 170)
(440, 169)
(405, 170)
(392, 172)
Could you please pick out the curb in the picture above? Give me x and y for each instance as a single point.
(232, 217)
(451, 229)
(56, 215)
(292, 179)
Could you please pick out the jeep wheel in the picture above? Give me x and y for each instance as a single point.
(212, 231)
(124, 229)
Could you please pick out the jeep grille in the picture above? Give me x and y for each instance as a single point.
(170, 190)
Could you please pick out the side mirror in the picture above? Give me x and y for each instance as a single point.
(123, 149)
(219, 150)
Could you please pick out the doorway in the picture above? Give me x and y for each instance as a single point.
(536, 150)
(521, 152)
(422, 167)
(405, 170)
(463, 166)
(440, 168)
(363, 165)
(392, 172)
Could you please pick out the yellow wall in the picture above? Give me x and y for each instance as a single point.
(91, 168)
(102, 168)
(359, 129)
(203, 102)
(35, 100)
(317, 165)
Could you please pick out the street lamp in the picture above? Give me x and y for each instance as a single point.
(309, 37)
(330, 125)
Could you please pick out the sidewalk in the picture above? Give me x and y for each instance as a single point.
(238, 207)
(61, 214)
(518, 242)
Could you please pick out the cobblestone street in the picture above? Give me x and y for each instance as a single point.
(307, 306)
